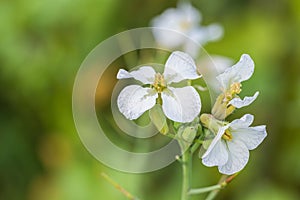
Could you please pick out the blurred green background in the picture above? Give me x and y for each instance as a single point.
(42, 46)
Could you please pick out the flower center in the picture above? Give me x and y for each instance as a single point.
(227, 135)
(185, 25)
(234, 89)
(159, 83)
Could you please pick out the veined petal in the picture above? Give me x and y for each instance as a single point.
(181, 104)
(237, 158)
(239, 72)
(216, 154)
(134, 100)
(180, 66)
(251, 136)
(239, 103)
(144, 74)
(243, 122)
(215, 140)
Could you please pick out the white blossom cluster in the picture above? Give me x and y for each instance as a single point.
(229, 148)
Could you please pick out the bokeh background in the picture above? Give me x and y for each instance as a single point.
(44, 42)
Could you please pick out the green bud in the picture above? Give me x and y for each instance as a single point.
(159, 119)
(189, 134)
(210, 122)
(206, 143)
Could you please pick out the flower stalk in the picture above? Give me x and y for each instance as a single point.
(186, 174)
(187, 165)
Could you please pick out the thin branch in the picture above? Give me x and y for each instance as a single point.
(204, 189)
(214, 189)
(223, 184)
(118, 187)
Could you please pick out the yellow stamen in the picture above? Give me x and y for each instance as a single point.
(222, 108)
(227, 135)
(185, 25)
(159, 83)
(235, 88)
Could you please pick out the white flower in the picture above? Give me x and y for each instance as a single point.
(178, 104)
(230, 81)
(229, 150)
(184, 19)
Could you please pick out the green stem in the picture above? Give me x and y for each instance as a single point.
(187, 165)
(223, 182)
(195, 146)
(212, 195)
(205, 189)
(186, 174)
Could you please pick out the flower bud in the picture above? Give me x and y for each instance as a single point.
(189, 134)
(210, 122)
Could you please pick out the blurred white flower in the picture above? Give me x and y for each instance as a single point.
(184, 19)
(178, 104)
(229, 150)
(211, 67)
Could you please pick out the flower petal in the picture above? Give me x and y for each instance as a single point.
(243, 122)
(202, 34)
(191, 14)
(134, 100)
(216, 154)
(237, 158)
(181, 104)
(239, 72)
(239, 103)
(180, 66)
(199, 35)
(251, 136)
(180, 19)
(177, 22)
(144, 74)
